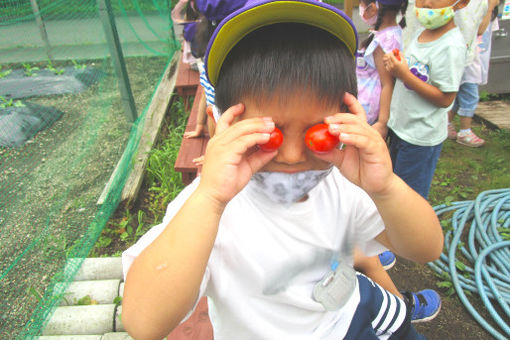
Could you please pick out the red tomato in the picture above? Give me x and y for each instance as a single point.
(396, 53)
(275, 140)
(319, 140)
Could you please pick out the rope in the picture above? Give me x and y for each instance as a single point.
(487, 252)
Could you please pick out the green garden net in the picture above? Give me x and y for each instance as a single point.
(63, 131)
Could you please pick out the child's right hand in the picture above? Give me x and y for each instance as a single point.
(231, 157)
(364, 160)
(396, 65)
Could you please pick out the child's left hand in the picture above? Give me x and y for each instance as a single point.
(365, 159)
(396, 65)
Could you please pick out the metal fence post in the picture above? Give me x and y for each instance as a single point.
(112, 38)
(42, 28)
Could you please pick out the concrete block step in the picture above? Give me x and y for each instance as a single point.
(98, 268)
(119, 327)
(81, 320)
(99, 291)
(117, 336)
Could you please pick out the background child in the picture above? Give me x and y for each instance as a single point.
(375, 88)
(428, 80)
(475, 74)
(184, 13)
(375, 83)
(211, 14)
(258, 230)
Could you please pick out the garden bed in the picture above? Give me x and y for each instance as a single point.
(50, 186)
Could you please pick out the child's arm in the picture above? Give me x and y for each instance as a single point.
(178, 12)
(399, 69)
(412, 227)
(487, 18)
(387, 84)
(201, 119)
(163, 282)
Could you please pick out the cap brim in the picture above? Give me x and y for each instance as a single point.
(237, 25)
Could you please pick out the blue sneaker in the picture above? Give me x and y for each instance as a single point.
(426, 305)
(387, 259)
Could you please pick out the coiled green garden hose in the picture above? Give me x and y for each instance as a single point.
(487, 251)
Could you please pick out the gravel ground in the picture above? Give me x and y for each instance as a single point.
(50, 186)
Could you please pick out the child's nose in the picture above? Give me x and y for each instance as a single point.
(292, 150)
(425, 3)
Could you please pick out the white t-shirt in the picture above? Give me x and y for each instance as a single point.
(267, 258)
(478, 71)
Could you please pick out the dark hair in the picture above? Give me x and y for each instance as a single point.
(204, 32)
(495, 12)
(380, 15)
(284, 58)
(191, 14)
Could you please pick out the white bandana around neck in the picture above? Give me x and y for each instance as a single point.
(284, 188)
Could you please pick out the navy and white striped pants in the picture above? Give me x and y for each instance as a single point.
(380, 315)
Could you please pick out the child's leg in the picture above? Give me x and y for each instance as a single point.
(413, 163)
(468, 101)
(380, 315)
(424, 305)
(371, 267)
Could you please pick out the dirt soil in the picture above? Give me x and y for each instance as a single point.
(454, 321)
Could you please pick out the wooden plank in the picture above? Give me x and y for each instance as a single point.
(187, 81)
(151, 128)
(348, 4)
(191, 148)
(494, 113)
(153, 119)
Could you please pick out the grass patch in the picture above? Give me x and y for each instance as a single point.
(463, 172)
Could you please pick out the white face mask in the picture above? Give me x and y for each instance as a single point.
(284, 188)
(370, 21)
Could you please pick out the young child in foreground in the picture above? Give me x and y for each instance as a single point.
(268, 236)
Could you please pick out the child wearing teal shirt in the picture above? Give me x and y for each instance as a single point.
(428, 79)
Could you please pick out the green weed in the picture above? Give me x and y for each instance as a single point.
(57, 71)
(4, 73)
(30, 71)
(5, 103)
(86, 301)
(164, 182)
(78, 66)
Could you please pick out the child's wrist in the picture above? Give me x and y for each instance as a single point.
(388, 191)
(208, 200)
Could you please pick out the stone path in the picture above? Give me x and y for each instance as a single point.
(495, 113)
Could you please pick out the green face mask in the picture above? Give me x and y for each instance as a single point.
(432, 18)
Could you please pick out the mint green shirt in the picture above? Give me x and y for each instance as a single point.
(441, 64)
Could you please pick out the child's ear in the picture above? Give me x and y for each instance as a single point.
(461, 4)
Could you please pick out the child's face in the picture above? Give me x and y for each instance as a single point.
(293, 117)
